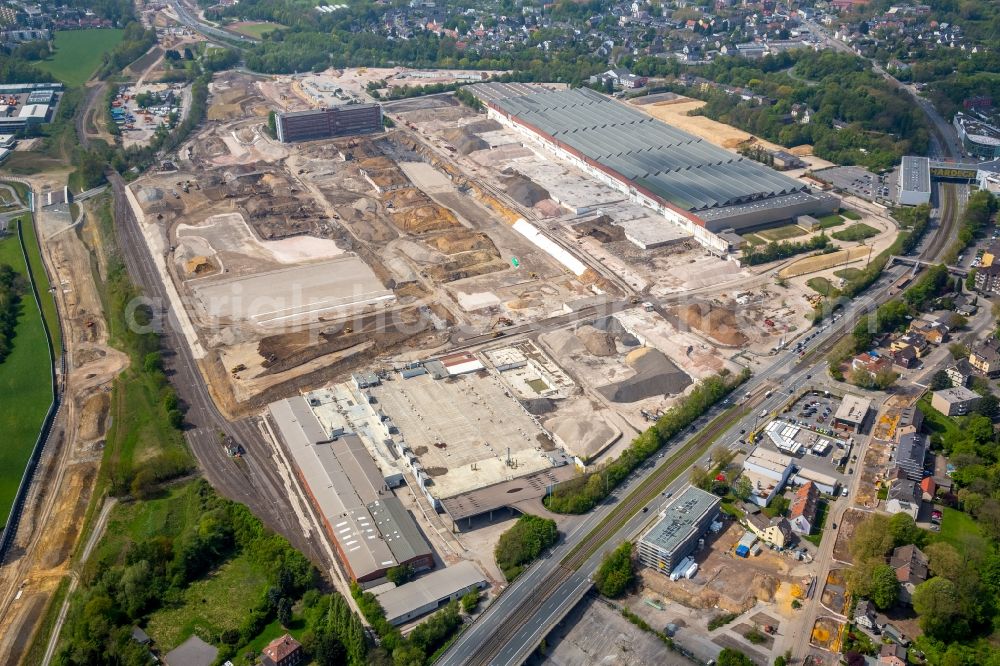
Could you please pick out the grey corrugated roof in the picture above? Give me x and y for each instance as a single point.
(428, 589)
(676, 166)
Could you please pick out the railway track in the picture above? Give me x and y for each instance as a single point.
(938, 244)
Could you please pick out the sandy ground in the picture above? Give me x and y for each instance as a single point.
(48, 534)
(676, 112)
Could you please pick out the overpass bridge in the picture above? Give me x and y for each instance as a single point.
(918, 264)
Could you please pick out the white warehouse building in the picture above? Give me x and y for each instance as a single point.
(768, 472)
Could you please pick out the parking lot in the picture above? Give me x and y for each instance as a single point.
(820, 447)
(858, 181)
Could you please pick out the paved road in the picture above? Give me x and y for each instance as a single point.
(190, 20)
(525, 612)
(252, 479)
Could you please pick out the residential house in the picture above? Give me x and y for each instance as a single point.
(905, 357)
(960, 372)
(988, 279)
(928, 488)
(895, 634)
(955, 401)
(910, 564)
(892, 654)
(776, 531)
(985, 357)
(910, 420)
(283, 651)
(865, 615)
(904, 497)
(934, 332)
(912, 339)
(966, 305)
(871, 362)
(910, 453)
(802, 513)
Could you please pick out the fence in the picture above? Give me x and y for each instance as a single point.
(14, 519)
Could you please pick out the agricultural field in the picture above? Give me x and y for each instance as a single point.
(78, 53)
(24, 384)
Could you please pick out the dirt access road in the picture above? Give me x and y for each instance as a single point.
(57, 505)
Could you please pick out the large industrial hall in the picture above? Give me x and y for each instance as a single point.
(691, 181)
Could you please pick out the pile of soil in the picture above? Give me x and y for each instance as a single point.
(597, 342)
(716, 322)
(655, 375)
(524, 191)
(464, 141)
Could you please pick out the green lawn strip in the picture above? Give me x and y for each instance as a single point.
(692, 450)
(25, 385)
(850, 214)
(848, 273)
(855, 233)
(78, 53)
(782, 233)
(936, 422)
(209, 606)
(42, 283)
(822, 286)
(956, 528)
(832, 220)
(754, 239)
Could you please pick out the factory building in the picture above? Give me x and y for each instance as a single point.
(428, 593)
(368, 526)
(702, 188)
(914, 186)
(327, 123)
(676, 534)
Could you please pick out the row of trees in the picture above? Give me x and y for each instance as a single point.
(523, 543)
(763, 254)
(120, 589)
(12, 287)
(616, 574)
(979, 210)
(582, 493)
(136, 40)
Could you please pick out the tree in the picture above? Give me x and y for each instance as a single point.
(872, 538)
(523, 543)
(615, 575)
(944, 560)
(399, 575)
(284, 613)
(743, 488)
(731, 657)
(701, 477)
(940, 380)
(904, 530)
(884, 586)
(471, 601)
(936, 602)
(272, 125)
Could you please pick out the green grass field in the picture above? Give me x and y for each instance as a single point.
(78, 53)
(850, 214)
(855, 233)
(936, 422)
(848, 273)
(781, 233)
(822, 286)
(832, 220)
(24, 385)
(256, 30)
(957, 527)
(42, 280)
(211, 605)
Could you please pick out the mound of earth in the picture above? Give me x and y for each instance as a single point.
(524, 191)
(586, 437)
(655, 375)
(597, 342)
(464, 141)
(716, 322)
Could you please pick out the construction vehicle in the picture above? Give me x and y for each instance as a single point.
(534, 276)
(348, 330)
(499, 334)
(239, 368)
(502, 321)
(634, 300)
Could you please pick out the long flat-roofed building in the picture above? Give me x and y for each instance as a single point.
(335, 121)
(676, 534)
(430, 592)
(701, 187)
(370, 528)
(767, 471)
(914, 186)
